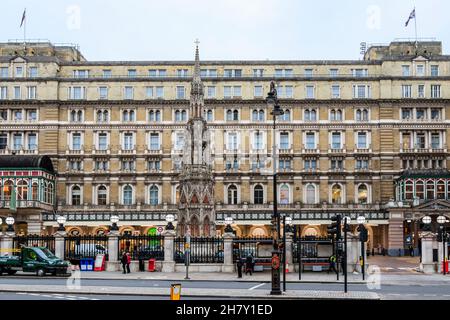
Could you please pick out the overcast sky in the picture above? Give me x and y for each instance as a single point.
(227, 29)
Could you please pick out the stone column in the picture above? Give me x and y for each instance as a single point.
(289, 255)
(228, 265)
(168, 263)
(428, 244)
(7, 243)
(59, 244)
(440, 256)
(113, 251)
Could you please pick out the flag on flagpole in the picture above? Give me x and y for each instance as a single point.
(411, 16)
(24, 16)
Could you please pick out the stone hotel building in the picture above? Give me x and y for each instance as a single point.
(358, 137)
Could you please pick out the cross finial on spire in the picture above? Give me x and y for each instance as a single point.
(197, 42)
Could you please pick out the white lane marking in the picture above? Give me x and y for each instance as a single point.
(71, 296)
(257, 286)
(22, 293)
(34, 294)
(46, 296)
(430, 295)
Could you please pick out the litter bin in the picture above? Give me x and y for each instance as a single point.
(151, 265)
(83, 264)
(89, 264)
(445, 266)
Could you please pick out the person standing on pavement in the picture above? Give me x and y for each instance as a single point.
(239, 267)
(128, 262)
(124, 261)
(249, 265)
(332, 264)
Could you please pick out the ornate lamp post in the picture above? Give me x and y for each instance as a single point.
(169, 219)
(361, 220)
(114, 220)
(287, 221)
(61, 220)
(229, 222)
(10, 222)
(272, 104)
(443, 236)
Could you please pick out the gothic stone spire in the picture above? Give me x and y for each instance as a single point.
(197, 89)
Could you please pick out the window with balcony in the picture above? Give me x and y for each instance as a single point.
(76, 196)
(102, 141)
(232, 141)
(32, 141)
(128, 141)
(232, 193)
(154, 142)
(362, 140)
(127, 195)
(76, 141)
(310, 141)
(154, 195)
(258, 194)
(181, 93)
(284, 141)
(311, 194)
(336, 142)
(102, 196)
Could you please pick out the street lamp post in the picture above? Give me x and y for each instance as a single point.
(169, 219)
(114, 220)
(10, 222)
(228, 223)
(272, 103)
(61, 220)
(442, 220)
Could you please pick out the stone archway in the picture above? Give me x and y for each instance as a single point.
(311, 231)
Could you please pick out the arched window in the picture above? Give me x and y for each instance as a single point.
(261, 115)
(177, 115)
(420, 190)
(209, 115)
(183, 115)
(232, 194)
(365, 115)
(79, 116)
(440, 190)
(132, 115)
(195, 230)
(76, 196)
(333, 115)
(255, 115)
(99, 116)
(310, 194)
(127, 195)
(307, 115)
(229, 115)
(101, 196)
(430, 190)
(206, 227)
(339, 115)
(363, 194)
(7, 189)
(358, 115)
(154, 195)
(286, 116)
(235, 115)
(336, 194)
(313, 115)
(284, 194)
(22, 190)
(34, 191)
(125, 116)
(105, 116)
(258, 194)
(409, 190)
(73, 116)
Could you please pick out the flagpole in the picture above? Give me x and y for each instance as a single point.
(25, 30)
(415, 25)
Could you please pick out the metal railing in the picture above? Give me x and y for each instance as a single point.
(80, 247)
(202, 250)
(33, 241)
(310, 249)
(250, 246)
(142, 247)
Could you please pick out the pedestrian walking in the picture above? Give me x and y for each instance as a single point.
(124, 261)
(239, 267)
(128, 262)
(332, 266)
(249, 265)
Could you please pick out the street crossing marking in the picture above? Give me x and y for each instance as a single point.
(257, 286)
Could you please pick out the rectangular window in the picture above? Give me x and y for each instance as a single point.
(258, 73)
(407, 114)
(334, 72)
(17, 141)
(359, 73)
(362, 164)
(102, 141)
(421, 91)
(3, 141)
(81, 74)
(103, 93)
(258, 141)
(309, 92)
(182, 73)
(232, 141)
(154, 141)
(289, 92)
(311, 164)
(3, 115)
(335, 92)
(362, 140)
(420, 70)
(311, 141)
(3, 93)
(284, 141)
(435, 114)
(435, 71)
(336, 140)
(31, 92)
(227, 92)
(4, 72)
(107, 73)
(19, 72)
(128, 141)
(420, 114)
(132, 73)
(435, 91)
(361, 91)
(180, 92)
(128, 93)
(149, 92)
(288, 73)
(406, 71)
(258, 91)
(406, 91)
(211, 92)
(32, 141)
(77, 93)
(285, 164)
(420, 142)
(337, 164)
(32, 115)
(76, 141)
(237, 91)
(17, 93)
(160, 92)
(308, 73)
(179, 141)
(17, 115)
(435, 141)
(33, 72)
(154, 165)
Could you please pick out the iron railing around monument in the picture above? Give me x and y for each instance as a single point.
(251, 246)
(310, 249)
(142, 247)
(202, 250)
(87, 246)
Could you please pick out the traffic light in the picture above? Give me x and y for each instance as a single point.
(335, 227)
(363, 234)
